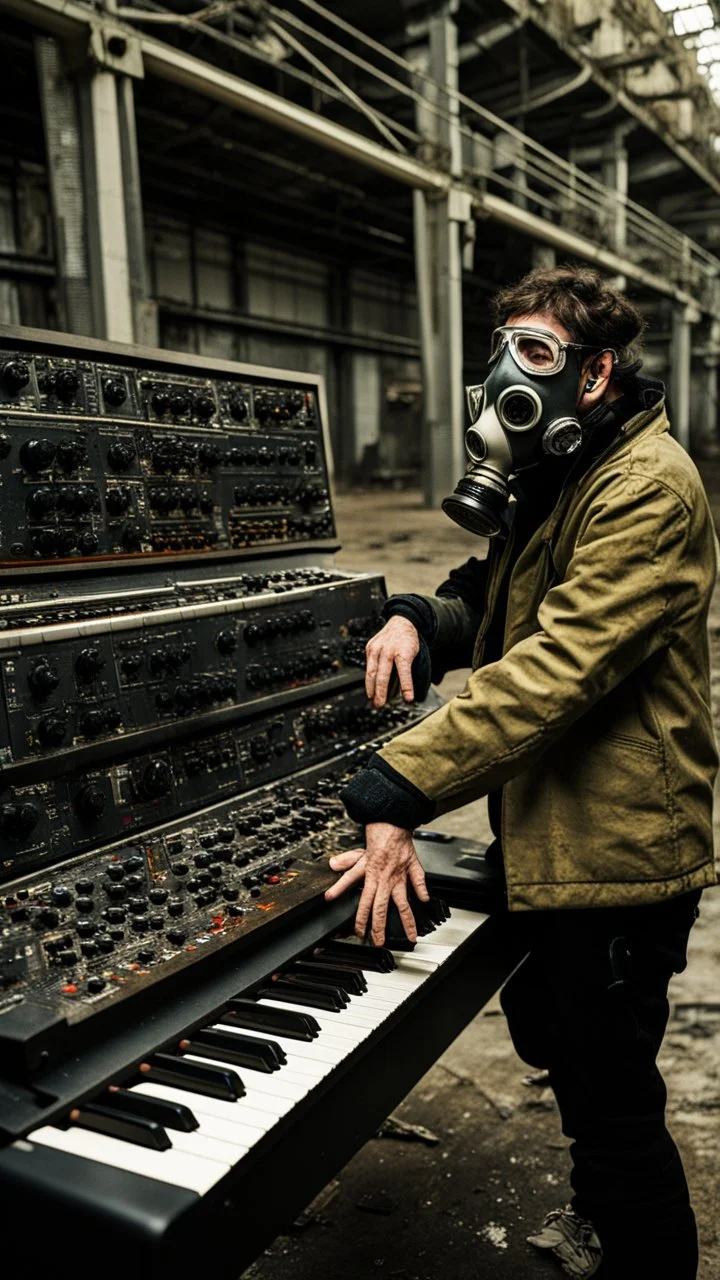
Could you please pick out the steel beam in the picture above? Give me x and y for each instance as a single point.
(202, 77)
(438, 264)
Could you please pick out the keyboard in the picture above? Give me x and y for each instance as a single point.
(221, 1132)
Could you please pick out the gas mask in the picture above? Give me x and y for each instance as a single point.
(527, 407)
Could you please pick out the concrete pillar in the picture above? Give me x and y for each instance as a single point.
(442, 229)
(680, 371)
(615, 175)
(705, 424)
(88, 111)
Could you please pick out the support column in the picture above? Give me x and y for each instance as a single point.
(680, 369)
(442, 233)
(89, 118)
(705, 425)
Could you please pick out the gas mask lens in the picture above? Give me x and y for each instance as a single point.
(519, 408)
(535, 351)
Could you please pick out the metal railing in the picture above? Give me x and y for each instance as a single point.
(341, 64)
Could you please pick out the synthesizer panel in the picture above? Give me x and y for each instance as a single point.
(181, 671)
(110, 459)
(98, 928)
(83, 681)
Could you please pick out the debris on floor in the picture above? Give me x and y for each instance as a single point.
(394, 1128)
(572, 1240)
(377, 1202)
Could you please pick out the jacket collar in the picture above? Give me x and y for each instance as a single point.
(651, 420)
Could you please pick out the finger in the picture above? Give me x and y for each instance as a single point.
(346, 882)
(382, 679)
(371, 665)
(362, 914)
(343, 861)
(407, 919)
(417, 879)
(404, 670)
(379, 914)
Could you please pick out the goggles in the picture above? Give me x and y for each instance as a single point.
(536, 351)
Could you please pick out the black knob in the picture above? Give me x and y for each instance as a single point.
(18, 820)
(5, 446)
(36, 455)
(89, 663)
(117, 501)
(43, 678)
(51, 731)
(204, 407)
(40, 502)
(67, 541)
(226, 641)
(92, 722)
(88, 543)
(70, 453)
(188, 498)
(155, 780)
(209, 455)
(131, 537)
(115, 870)
(90, 802)
(239, 408)
(176, 936)
(115, 391)
(160, 402)
(84, 886)
(179, 404)
(15, 375)
(206, 503)
(81, 499)
(131, 663)
(121, 455)
(45, 543)
(67, 383)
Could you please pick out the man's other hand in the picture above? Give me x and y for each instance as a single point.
(397, 645)
(386, 863)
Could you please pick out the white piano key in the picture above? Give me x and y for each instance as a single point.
(429, 950)
(222, 1146)
(228, 1131)
(194, 1173)
(240, 1110)
(406, 962)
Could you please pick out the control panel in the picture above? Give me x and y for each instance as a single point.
(106, 460)
(100, 927)
(43, 821)
(68, 684)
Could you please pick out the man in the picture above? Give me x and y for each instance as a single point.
(586, 721)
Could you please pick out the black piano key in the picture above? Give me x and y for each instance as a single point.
(317, 982)
(144, 1133)
(373, 959)
(242, 1051)
(171, 1115)
(198, 1077)
(351, 980)
(283, 1022)
(294, 993)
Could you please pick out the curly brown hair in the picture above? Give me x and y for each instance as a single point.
(579, 298)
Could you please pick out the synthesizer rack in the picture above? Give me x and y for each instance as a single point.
(182, 697)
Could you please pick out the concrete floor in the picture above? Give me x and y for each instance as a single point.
(461, 1210)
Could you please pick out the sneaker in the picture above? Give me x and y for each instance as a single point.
(572, 1240)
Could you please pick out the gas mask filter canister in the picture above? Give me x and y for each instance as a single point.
(526, 407)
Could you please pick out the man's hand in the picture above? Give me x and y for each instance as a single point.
(397, 645)
(386, 862)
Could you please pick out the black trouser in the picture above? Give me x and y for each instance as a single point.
(590, 1004)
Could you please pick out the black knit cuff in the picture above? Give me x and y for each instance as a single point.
(417, 610)
(378, 793)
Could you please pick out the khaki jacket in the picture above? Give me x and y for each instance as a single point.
(597, 719)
